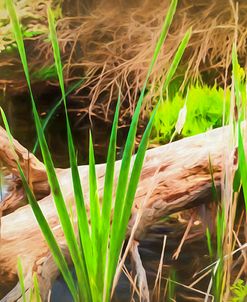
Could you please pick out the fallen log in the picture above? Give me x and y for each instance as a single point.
(174, 177)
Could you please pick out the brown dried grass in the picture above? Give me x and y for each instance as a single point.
(110, 43)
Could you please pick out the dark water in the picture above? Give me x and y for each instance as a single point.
(192, 258)
(194, 253)
(19, 113)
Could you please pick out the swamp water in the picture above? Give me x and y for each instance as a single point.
(194, 252)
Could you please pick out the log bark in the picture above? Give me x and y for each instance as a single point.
(174, 177)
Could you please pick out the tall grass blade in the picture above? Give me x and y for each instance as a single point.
(108, 197)
(131, 190)
(80, 266)
(21, 279)
(125, 166)
(53, 181)
(56, 51)
(93, 190)
(177, 58)
(124, 202)
(95, 216)
(36, 288)
(235, 67)
(18, 37)
(242, 164)
(209, 243)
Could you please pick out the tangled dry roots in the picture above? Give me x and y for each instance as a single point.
(111, 43)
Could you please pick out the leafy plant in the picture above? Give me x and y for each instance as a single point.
(96, 252)
(239, 291)
(205, 107)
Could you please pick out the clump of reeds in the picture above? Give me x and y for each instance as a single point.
(96, 248)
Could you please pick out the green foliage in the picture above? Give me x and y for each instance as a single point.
(204, 111)
(165, 120)
(95, 254)
(239, 291)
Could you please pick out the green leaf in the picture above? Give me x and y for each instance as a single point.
(177, 58)
(242, 164)
(36, 288)
(21, 279)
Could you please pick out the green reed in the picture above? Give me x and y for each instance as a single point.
(96, 249)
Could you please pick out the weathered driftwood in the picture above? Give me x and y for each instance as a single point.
(33, 168)
(182, 180)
